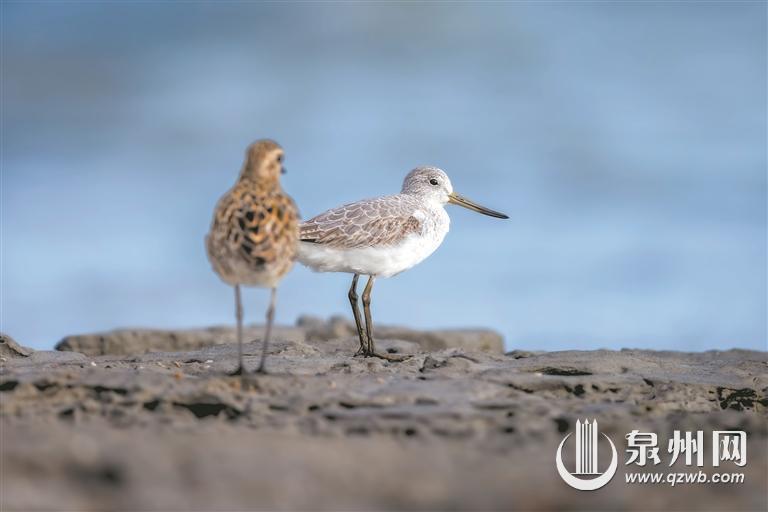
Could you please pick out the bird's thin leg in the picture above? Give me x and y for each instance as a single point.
(270, 321)
(356, 313)
(239, 316)
(370, 349)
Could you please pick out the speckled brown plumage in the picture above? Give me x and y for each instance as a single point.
(254, 234)
(253, 237)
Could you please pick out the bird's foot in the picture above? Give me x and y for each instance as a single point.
(394, 358)
(239, 371)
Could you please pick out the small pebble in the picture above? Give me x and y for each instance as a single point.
(93, 363)
(209, 361)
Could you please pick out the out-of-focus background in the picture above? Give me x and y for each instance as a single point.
(627, 142)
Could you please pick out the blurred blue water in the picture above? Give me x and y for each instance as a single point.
(627, 142)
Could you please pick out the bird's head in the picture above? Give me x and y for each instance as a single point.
(263, 162)
(432, 184)
(429, 183)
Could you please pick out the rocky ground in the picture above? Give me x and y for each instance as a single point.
(149, 420)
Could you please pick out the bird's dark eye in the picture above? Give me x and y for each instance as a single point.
(280, 157)
(433, 181)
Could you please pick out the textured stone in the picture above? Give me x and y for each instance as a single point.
(10, 348)
(140, 341)
(449, 429)
(475, 340)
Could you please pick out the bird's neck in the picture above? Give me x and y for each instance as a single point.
(249, 172)
(261, 184)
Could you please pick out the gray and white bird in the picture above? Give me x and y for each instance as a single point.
(382, 237)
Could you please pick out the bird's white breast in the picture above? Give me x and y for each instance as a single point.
(383, 261)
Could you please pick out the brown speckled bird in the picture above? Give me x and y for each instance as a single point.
(254, 234)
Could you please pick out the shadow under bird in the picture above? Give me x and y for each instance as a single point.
(254, 234)
(382, 237)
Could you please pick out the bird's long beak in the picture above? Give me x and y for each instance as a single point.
(455, 198)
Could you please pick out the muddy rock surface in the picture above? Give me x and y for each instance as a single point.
(452, 427)
(307, 328)
(9, 348)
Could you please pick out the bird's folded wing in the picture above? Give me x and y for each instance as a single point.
(365, 224)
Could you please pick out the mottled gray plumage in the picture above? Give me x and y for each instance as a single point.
(382, 221)
(382, 237)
